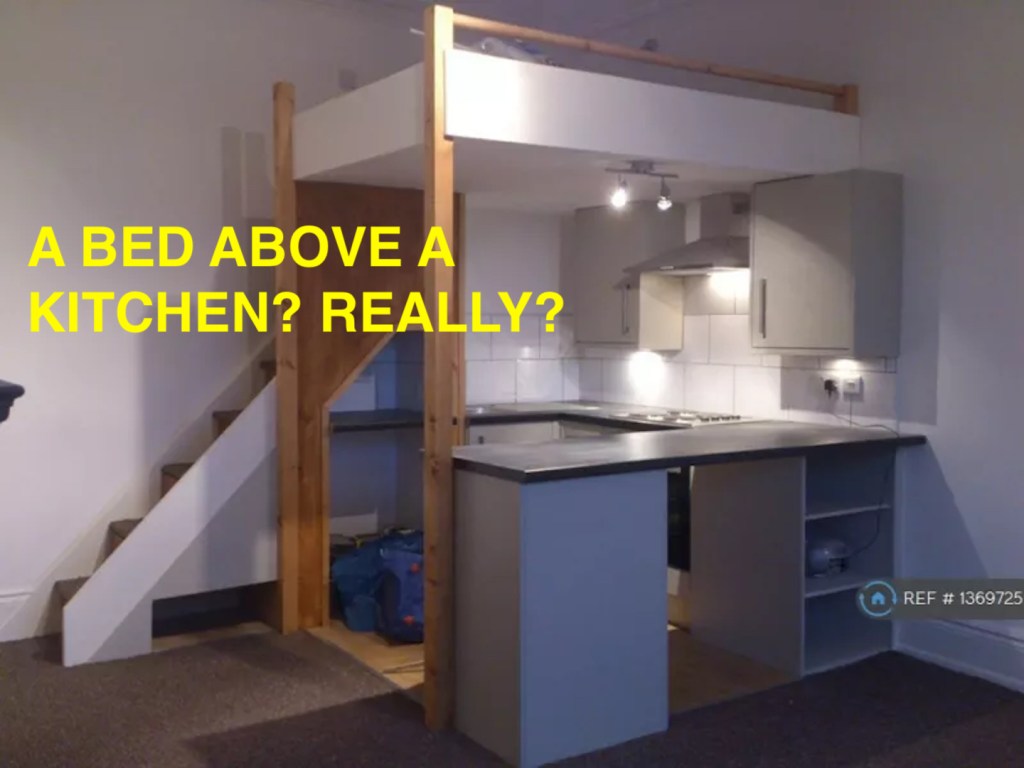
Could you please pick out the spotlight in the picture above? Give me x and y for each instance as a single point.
(621, 195)
(664, 201)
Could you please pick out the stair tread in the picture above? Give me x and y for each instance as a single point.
(176, 470)
(222, 419)
(68, 588)
(121, 528)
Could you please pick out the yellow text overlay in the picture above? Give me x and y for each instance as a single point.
(225, 312)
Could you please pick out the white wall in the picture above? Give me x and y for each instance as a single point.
(121, 112)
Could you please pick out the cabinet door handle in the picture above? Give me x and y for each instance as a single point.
(764, 308)
(625, 323)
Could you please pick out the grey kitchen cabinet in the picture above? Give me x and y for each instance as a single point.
(644, 310)
(522, 432)
(826, 264)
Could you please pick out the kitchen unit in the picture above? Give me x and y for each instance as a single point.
(560, 571)
(641, 253)
(609, 307)
(826, 265)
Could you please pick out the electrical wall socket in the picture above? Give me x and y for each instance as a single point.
(847, 385)
(851, 386)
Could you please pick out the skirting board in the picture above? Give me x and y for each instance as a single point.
(964, 648)
(10, 603)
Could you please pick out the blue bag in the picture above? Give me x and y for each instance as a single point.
(380, 586)
(356, 577)
(400, 590)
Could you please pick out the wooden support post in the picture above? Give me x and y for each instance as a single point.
(439, 374)
(287, 352)
(459, 379)
(847, 102)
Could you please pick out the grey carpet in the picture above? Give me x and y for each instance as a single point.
(272, 701)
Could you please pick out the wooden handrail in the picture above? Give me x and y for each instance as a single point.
(844, 96)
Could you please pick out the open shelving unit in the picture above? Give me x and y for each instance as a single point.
(849, 498)
(752, 523)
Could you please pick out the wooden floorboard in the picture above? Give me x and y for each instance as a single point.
(401, 665)
(701, 674)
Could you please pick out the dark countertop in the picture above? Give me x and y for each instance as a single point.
(663, 449)
(512, 413)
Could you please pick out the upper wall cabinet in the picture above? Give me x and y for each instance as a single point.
(826, 255)
(643, 311)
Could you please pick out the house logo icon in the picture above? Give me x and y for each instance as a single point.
(877, 599)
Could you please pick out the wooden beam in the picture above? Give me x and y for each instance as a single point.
(287, 353)
(459, 378)
(847, 102)
(500, 29)
(438, 376)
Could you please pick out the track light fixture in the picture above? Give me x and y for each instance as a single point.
(620, 196)
(664, 199)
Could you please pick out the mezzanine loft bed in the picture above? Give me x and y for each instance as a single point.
(363, 157)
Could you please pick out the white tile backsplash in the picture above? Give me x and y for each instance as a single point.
(539, 381)
(709, 387)
(490, 381)
(696, 340)
(524, 343)
(571, 379)
(708, 295)
(717, 370)
(478, 346)
(842, 365)
(730, 341)
(610, 352)
(615, 385)
(590, 384)
(560, 342)
(757, 392)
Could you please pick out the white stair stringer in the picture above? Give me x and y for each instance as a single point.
(215, 529)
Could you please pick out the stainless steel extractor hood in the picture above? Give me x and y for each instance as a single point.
(717, 238)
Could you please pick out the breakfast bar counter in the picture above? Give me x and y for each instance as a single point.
(561, 561)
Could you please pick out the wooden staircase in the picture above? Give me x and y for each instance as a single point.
(119, 530)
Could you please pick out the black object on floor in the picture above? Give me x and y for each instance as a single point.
(268, 700)
(8, 394)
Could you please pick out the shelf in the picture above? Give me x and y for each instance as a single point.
(848, 485)
(822, 512)
(837, 633)
(827, 585)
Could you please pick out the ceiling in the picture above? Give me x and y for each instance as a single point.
(532, 178)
